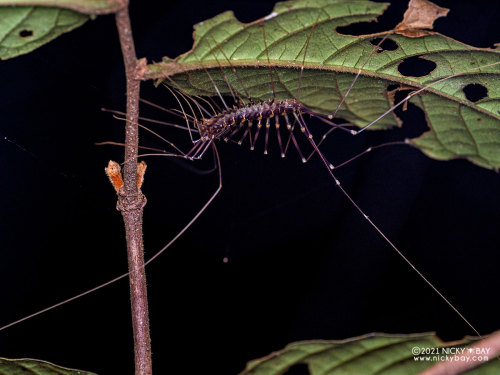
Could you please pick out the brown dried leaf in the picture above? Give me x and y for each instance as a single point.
(420, 15)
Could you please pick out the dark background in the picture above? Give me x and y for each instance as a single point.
(303, 264)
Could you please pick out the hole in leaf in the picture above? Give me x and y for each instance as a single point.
(381, 24)
(475, 92)
(416, 67)
(386, 45)
(25, 33)
(391, 91)
(298, 369)
(356, 29)
(413, 117)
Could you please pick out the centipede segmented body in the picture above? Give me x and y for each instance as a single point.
(230, 121)
(219, 125)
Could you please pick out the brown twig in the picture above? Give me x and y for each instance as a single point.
(131, 201)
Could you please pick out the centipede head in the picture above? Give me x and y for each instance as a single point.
(210, 128)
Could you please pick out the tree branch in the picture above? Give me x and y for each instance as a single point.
(131, 201)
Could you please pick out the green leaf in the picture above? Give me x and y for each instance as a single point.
(22, 29)
(81, 6)
(35, 367)
(303, 33)
(379, 354)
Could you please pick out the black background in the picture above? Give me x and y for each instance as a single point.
(303, 264)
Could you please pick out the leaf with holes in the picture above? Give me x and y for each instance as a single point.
(35, 367)
(303, 33)
(22, 29)
(380, 354)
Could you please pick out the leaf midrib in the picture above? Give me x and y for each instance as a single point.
(190, 67)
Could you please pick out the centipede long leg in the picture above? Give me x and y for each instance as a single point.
(202, 150)
(194, 149)
(233, 133)
(277, 123)
(369, 149)
(268, 125)
(245, 133)
(259, 125)
(374, 226)
(290, 129)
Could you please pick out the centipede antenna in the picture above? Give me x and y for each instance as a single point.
(173, 111)
(374, 226)
(154, 121)
(111, 143)
(180, 114)
(170, 243)
(209, 104)
(179, 91)
(162, 138)
(152, 132)
(200, 107)
(219, 109)
(187, 98)
(170, 155)
(176, 88)
(184, 112)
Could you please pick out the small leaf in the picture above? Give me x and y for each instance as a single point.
(35, 367)
(303, 34)
(380, 354)
(22, 29)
